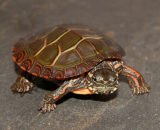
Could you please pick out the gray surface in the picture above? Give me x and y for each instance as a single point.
(135, 24)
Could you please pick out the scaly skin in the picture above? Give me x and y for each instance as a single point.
(136, 82)
(48, 103)
(86, 84)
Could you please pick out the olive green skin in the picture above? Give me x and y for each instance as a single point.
(64, 52)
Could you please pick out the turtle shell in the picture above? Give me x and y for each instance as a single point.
(64, 52)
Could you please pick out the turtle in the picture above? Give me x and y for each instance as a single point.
(78, 59)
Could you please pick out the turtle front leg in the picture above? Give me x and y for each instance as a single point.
(48, 103)
(136, 80)
(22, 85)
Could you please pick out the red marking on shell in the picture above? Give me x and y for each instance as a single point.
(82, 68)
(96, 50)
(78, 73)
(92, 64)
(19, 56)
(53, 73)
(59, 75)
(26, 64)
(36, 70)
(70, 72)
(47, 73)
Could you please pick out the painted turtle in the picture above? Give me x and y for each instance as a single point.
(84, 61)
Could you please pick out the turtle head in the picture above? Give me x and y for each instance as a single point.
(104, 81)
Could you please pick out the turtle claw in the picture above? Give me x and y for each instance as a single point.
(140, 90)
(47, 107)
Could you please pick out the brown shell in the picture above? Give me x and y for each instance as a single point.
(64, 52)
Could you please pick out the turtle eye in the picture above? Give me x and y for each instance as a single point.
(112, 79)
(94, 78)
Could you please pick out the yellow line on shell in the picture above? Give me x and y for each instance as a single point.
(45, 42)
(59, 37)
(85, 38)
(59, 53)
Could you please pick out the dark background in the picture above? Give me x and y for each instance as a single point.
(134, 24)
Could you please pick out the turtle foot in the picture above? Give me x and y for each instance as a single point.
(136, 81)
(48, 104)
(22, 85)
(137, 90)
